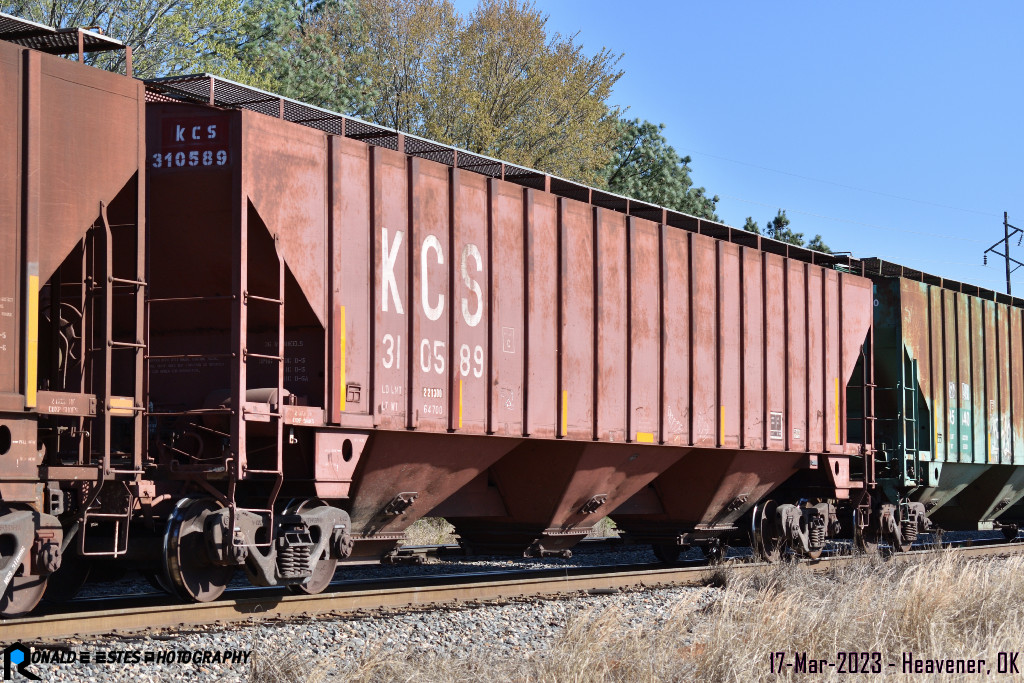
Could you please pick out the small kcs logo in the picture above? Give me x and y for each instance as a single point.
(17, 655)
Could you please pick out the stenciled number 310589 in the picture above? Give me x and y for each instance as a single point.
(193, 158)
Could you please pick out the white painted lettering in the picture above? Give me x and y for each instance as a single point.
(179, 133)
(425, 355)
(433, 312)
(389, 256)
(195, 132)
(211, 132)
(472, 319)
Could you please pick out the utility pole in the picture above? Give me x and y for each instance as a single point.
(1006, 249)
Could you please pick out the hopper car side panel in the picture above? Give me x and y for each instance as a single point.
(963, 388)
(940, 399)
(429, 299)
(833, 357)
(797, 341)
(704, 412)
(978, 338)
(576, 325)
(645, 360)
(391, 283)
(814, 388)
(776, 375)
(10, 218)
(755, 424)
(506, 291)
(542, 311)
(611, 322)
(470, 354)
(728, 343)
(353, 293)
(1001, 423)
(676, 339)
(1016, 364)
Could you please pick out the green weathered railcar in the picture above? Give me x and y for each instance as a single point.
(949, 370)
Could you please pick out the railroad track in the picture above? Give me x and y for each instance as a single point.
(347, 597)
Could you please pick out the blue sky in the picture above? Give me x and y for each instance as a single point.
(892, 129)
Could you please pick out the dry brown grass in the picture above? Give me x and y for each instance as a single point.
(437, 531)
(939, 607)
(606, 528)
(430, 531)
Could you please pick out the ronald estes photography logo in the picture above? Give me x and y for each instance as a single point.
(23, 663)
(16, 658)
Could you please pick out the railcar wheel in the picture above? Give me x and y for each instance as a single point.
(667, 553)
(25, 590)
(766, 545)
(323, 572)
(865, 537)
(1009, 531)
(190, 573)
(323, 568)
(22, 595)
(157, 578)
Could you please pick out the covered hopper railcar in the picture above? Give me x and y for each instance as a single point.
(520, 354)
(950, 397)
(238, 332)
(71, 304)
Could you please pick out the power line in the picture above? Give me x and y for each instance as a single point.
(853, 222)
(843, 185)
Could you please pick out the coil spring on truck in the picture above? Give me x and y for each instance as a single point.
(293, 552)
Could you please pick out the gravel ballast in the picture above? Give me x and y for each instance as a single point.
(327, 645)
(497, 631)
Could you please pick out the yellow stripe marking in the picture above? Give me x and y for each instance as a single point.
(565, 413)
(838, 440)
(32, 342)
(460, 404)
(342, 391)
(644, 437)
(721, 431)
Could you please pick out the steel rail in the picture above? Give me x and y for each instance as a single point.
(432, 591)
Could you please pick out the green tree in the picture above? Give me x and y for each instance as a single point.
(281, 45)
(644, 166)
(403, 46)
(167, 36)
(532, 97)
(778, 228)
(292, 48)
(495, 82)
(817, 244)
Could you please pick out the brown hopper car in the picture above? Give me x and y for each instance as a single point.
(238, 332)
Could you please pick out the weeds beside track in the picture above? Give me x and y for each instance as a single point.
(446, 590)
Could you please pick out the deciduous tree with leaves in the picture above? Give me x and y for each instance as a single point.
(280, 45)
(494, 82)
